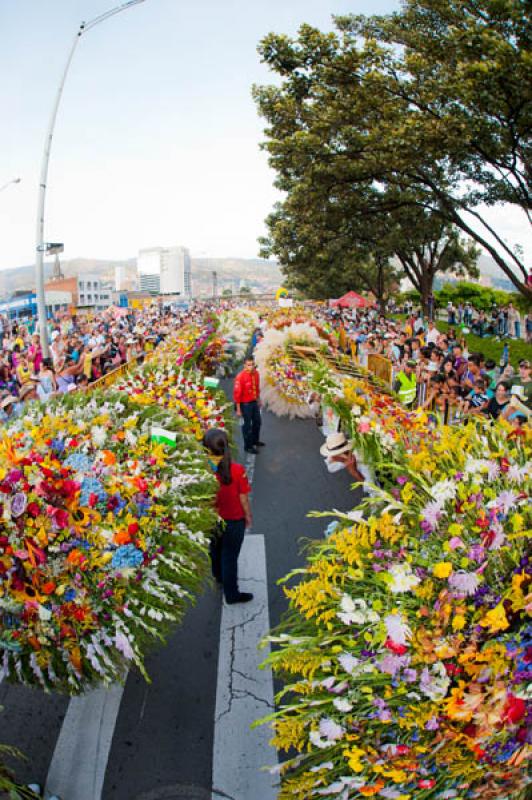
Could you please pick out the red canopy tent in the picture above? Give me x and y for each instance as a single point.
(351, 300)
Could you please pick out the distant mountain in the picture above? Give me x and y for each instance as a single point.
(232, 273)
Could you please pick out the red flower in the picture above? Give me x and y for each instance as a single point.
(398, 649)
(33, 509)
(426, 783)
(133, 528)
(59, 516)
(514, 710)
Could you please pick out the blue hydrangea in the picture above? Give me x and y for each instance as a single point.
(127, 556)
(80, 462)
(69, 595)
(90, 486)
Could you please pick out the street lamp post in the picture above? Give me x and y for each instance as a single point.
(5, 185)
(41, 245)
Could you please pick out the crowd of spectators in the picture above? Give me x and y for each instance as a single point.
(434, 369)
(82, 350)
(502, 322)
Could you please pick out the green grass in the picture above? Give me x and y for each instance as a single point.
(491, 348)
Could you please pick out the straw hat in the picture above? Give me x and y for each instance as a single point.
(8, 400)
(335, 445)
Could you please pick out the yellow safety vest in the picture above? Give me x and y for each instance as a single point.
(407, 392)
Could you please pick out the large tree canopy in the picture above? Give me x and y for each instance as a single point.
(397, 128)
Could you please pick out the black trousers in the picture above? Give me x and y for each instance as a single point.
(224, 551)
(252, 422)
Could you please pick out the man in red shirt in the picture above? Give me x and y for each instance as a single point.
(246, 394)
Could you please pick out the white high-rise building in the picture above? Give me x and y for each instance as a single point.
(171, 264)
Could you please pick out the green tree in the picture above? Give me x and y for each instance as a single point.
(227, 292)
(246, 290)
(373, 120)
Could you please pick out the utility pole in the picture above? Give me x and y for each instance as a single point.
(214, 283)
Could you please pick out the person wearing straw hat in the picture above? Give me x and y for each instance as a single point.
(9, 408)
(338, 453)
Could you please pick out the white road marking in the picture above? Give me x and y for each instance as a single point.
(77, 769)
(244, 693)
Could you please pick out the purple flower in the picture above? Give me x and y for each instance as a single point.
(409, 675)
(477, 553)
(432, 724)
(19, 502)
(402, 479)
(391, 664)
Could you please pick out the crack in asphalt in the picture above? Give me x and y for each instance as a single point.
(233, 671)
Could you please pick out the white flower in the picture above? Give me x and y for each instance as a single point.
(341, 704)
(131, 439)
(122, 644)
(99, 435)
(396, 629)
(348, 662)
(403, 579)
(518, 474)
(44, 613)
(356, 611)
(331, 730)
(443, 491)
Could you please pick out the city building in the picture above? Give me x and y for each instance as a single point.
(170, 264)
(150, 283)
(24, 304)
(87, 291)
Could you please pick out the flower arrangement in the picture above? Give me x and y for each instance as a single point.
(103, 538)
(182, 391)
(236, 327)
(408, 648)
(377, 424)
(285, 384)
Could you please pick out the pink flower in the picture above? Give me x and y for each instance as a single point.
(455, 543)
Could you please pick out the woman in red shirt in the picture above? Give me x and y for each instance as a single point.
(232, 504)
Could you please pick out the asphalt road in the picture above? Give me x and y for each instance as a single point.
(163, 739)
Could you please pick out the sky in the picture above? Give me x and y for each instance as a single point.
(157, 138)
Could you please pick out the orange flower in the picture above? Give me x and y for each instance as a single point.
(122, 537)
(48, 587)
(369, 791)
(75, 557)
(109, 458)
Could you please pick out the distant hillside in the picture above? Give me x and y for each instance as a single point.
(232, 273)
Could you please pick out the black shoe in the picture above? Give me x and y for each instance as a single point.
(260, 444)
(242, 597)
(252, 450)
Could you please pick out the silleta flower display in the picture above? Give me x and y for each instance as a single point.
(103, 538)
(407, 649)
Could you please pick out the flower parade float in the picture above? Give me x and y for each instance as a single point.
(407, 650)
(285, 383)
(106, 505)
(236, 327)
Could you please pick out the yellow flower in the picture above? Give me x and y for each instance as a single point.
(458, 622)
(442, 570)
(495, 619)
(354, 755)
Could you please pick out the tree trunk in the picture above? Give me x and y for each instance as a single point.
(425, 289)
